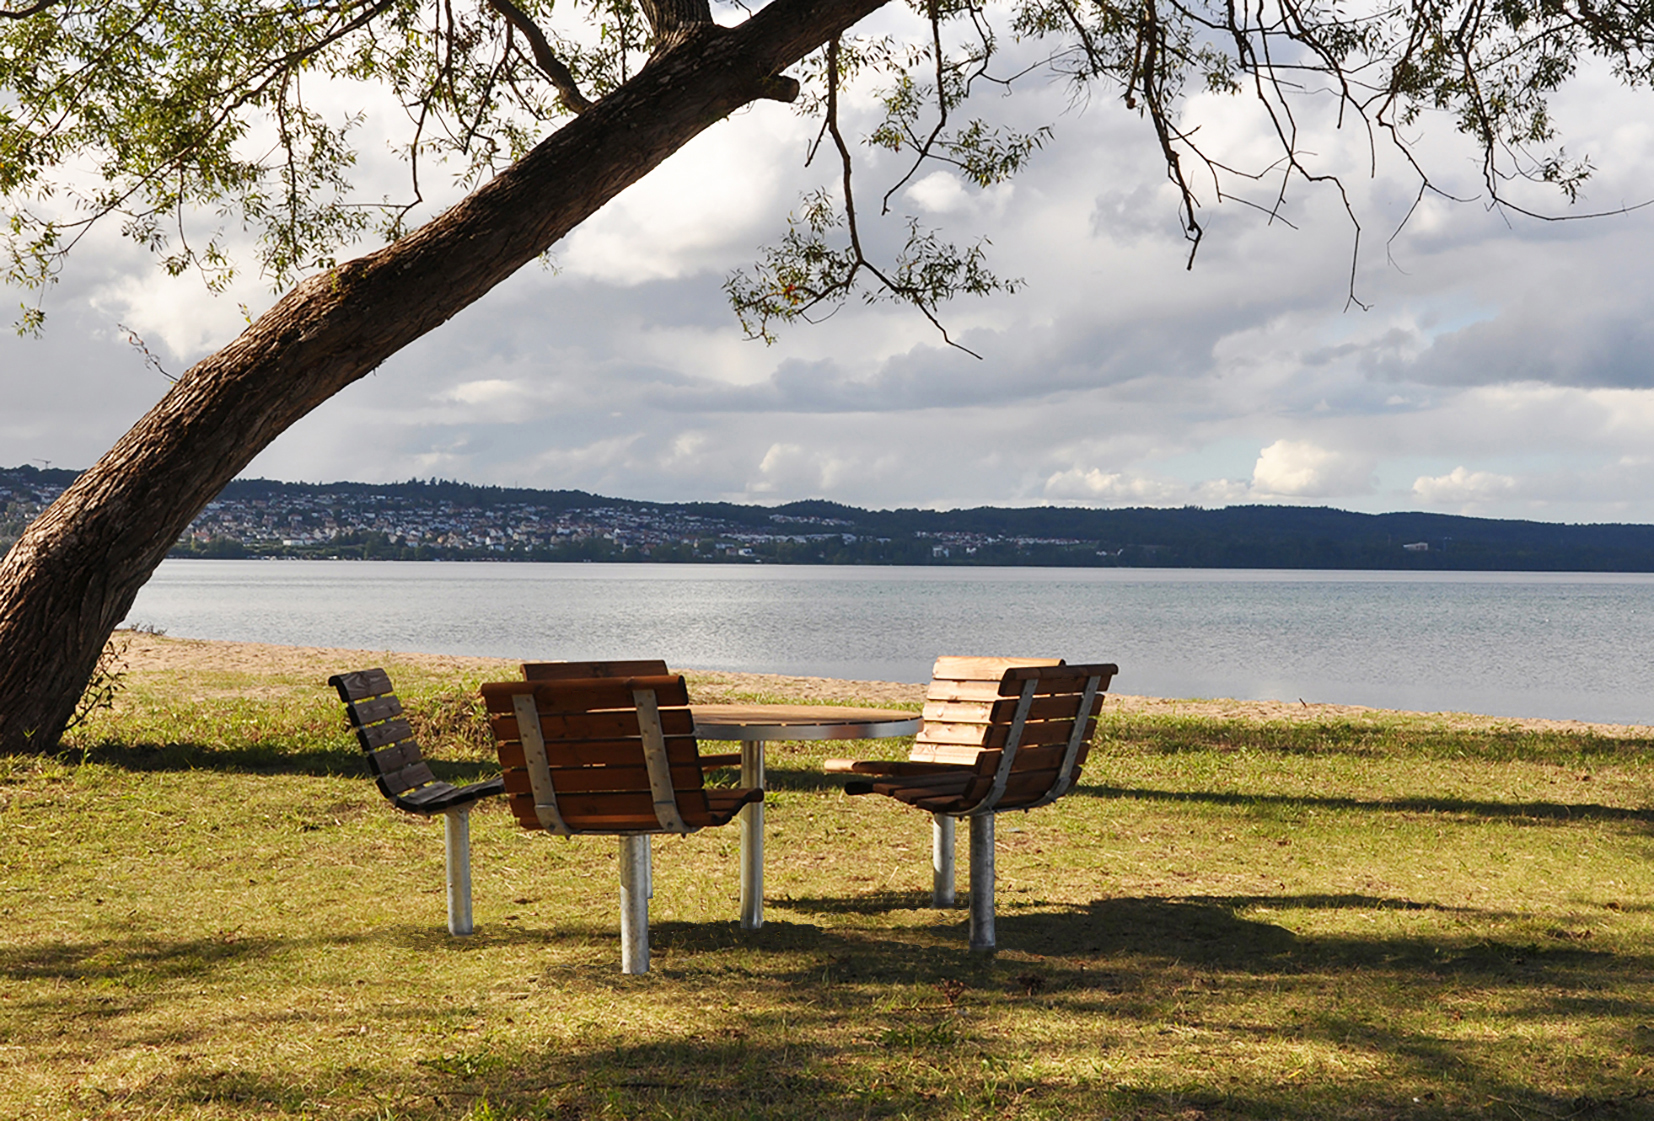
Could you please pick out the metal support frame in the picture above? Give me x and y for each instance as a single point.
(941, 860)
(982, 884)
(456, 840)
(752, 838)
(636, 886)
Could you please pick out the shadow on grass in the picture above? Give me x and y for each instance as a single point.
(799, 1024)
(262, 759)
(1516, 811)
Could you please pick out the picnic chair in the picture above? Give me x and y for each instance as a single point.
(998, 734)
(405, 778)
(609, 755)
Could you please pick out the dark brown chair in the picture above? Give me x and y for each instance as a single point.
(405, 778)
(609, 755)
(998, 734)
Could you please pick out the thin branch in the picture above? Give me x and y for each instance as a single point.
(568, 90)
(31, 10)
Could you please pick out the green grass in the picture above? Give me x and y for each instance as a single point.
(206, 911)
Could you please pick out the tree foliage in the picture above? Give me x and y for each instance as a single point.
(188, 122)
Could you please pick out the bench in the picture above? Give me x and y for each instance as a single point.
(609, 755)
(403, 776)
(998, 734)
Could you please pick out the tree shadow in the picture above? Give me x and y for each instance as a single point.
(1536, 812)
(955, 1052)
(262, 759)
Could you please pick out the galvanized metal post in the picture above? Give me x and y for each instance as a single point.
(635, 877)
(752, 839)
(941, 860)
(456, 839)
(982, 884)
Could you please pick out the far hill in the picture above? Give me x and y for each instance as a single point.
(444, 520)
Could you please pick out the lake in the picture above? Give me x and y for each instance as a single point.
(1560, 645)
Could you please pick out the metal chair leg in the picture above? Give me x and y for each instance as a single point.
(635, 882)
(982, 884)
(456, 839)
(941, 860)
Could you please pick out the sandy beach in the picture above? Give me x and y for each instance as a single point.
(149, 654)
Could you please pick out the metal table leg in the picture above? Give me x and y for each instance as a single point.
(752, 838)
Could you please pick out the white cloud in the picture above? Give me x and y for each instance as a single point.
(1298, 469)
(1461, 487)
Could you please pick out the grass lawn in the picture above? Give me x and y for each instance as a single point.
(207, 911)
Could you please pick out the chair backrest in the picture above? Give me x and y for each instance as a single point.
(393, 754)
(599, 754)
(563, 671)
(1024, 723)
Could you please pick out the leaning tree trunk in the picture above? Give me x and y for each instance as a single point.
(72, 577)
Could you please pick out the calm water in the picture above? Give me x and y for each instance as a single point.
(1571, 646)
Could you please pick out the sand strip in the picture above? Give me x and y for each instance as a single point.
(149, 654)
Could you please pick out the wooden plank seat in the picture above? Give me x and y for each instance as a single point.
(998, 734)
(403, 776)
(609, 755)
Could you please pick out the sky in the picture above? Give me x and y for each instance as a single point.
(1503, 366)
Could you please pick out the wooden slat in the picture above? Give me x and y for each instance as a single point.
(950, 753)
(612, 725)
(636, 778)
(951, 691)
(1034, 734)
(362, 683)
(585, 694)
(680, 751)
(396, 782)
(375, 736)
(1002, 709)
(393, 759)
(375, 710)
(953, 668)
(563, 671)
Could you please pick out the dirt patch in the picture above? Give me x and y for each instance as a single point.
(156, 654)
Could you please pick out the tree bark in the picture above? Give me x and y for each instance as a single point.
(72, 577)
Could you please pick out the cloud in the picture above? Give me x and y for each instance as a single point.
(1462, 487)
(1296, 469)
(1505, 364)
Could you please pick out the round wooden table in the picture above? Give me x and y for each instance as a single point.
(752, 726)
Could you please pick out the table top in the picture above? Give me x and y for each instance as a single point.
(753, 722)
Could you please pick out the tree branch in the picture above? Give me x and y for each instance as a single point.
(31, 10)
(568, 91)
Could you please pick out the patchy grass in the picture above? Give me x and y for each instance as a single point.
(206, 911)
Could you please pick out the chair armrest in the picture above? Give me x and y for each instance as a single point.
(712, 762)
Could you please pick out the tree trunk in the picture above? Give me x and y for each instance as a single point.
(72, 577)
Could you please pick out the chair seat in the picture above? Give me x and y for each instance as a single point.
(440, 797)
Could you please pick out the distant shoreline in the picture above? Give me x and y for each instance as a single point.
(161, 656)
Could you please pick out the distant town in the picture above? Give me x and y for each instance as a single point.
(451, 521)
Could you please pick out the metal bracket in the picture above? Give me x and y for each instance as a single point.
(539, 769)
(659, 766)
(1013, 740)
(1065, 772)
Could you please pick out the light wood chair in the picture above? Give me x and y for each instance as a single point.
(998, 734)
(609, 755)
